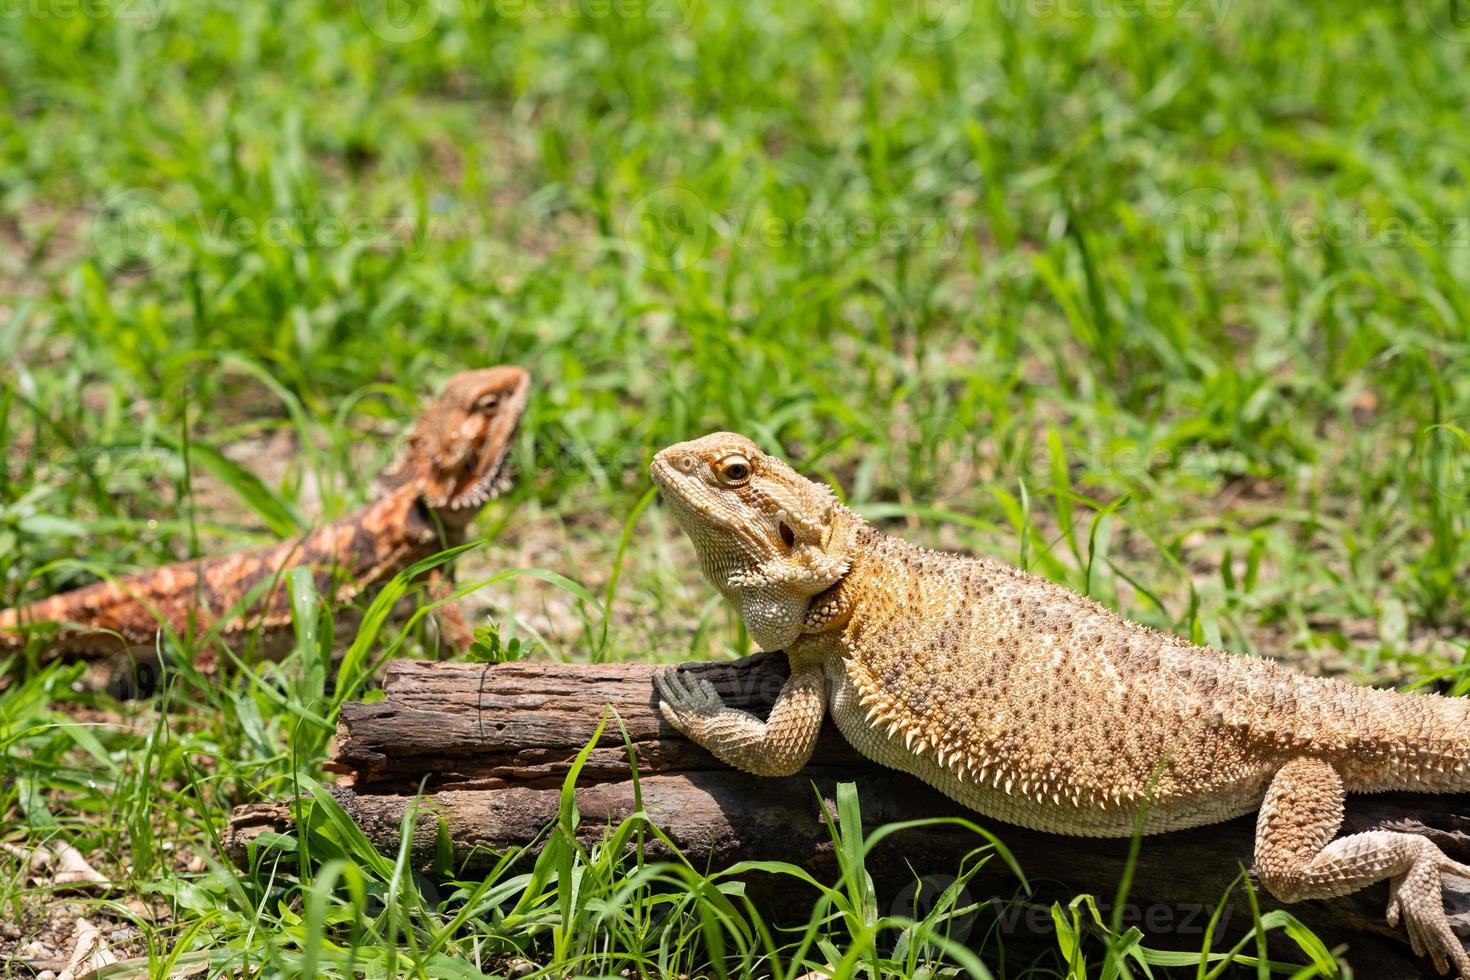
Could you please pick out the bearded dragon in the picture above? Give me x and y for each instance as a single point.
(453, 461)
(1037, 706)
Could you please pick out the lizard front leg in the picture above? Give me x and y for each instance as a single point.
(1297, 859)
(777, 747)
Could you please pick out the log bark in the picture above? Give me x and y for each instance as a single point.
(491, 745)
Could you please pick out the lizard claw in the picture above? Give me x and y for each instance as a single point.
(1415, 897)
(686, 700)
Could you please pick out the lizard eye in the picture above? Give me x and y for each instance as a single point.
(488, 403)
(733, 470)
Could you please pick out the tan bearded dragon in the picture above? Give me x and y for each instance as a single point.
(1034, 705)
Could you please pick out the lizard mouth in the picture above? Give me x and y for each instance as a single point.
(666, 478)
(482, 489)
(695, 516)
(487, 477)
(662, 476)
(483, 485)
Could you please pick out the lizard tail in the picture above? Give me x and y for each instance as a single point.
(1407, 742)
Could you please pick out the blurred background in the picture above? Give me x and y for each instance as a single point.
(1168, 300)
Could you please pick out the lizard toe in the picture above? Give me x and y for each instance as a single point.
(672, 695)
(1416, 899)
(704, 693)
(663, 680)
(686, 696)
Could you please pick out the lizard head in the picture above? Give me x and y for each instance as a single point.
(455, 455)
(767, 538)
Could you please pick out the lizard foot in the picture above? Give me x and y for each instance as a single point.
(687, 702)
(1416, 898)
(778, 746)
(1457, 903)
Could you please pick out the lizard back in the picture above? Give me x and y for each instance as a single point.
(1040, 706)
(348, 558)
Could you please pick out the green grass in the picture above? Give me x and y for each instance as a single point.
(1169, 302)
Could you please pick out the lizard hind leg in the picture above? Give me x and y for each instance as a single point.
(1297, 859)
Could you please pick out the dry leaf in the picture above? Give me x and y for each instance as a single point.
(72, 868)
(36, 857)
(90, 955)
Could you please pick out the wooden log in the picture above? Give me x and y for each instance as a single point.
(482, 726)
(492, 743)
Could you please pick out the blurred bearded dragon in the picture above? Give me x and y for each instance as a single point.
(1037, 706)
(453, 461)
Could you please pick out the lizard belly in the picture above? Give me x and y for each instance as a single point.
(1057, 816)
